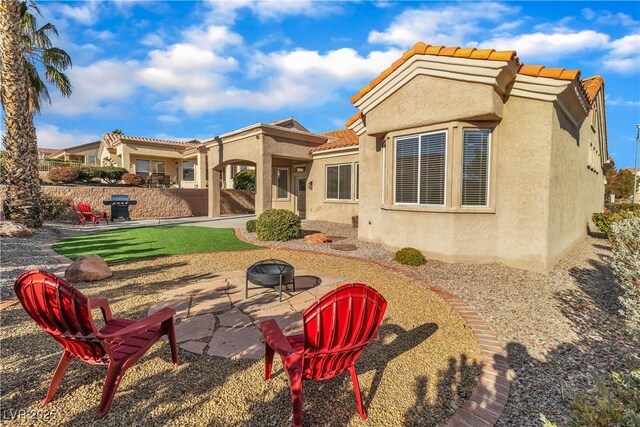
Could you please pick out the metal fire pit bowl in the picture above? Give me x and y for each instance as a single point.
(270, 273)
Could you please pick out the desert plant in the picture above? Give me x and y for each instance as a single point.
(54, 207)
(354, 221)
(622, 207)
(132, 179)
(278, 224)
(63, 174)
(251, 226)
(625, 241)
(410, 256)
(245, 180)
(112, 174)
(605, 220)
(88, 173)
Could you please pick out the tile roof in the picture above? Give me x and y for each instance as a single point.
(339, 138)
(110, 139)
(290, 123)
(421, 48)
(354, 118)
(44, 150)
(592, 86)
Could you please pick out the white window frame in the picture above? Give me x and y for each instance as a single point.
(446, 167)
(288, 189)
(489, 165)
(326, 182)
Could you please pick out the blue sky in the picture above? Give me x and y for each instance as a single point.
(199, 69)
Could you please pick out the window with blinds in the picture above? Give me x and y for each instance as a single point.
(338, 185)
(475, 167)
(282, 183)
(420, 169)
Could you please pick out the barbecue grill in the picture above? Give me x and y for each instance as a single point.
(120, 206)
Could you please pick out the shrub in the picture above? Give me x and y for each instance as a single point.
(132, 179)
(625, 241)
(88, 173)
(410, 256)
(251, 226)
(112, 174)
(604, 221)
(63, 174)
(622, 207)
(55, 207)
(278, 224)
(245, 180)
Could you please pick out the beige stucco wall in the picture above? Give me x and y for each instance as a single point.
(318, 208)
(514, 229)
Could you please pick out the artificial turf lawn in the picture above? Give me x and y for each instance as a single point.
(128, 244)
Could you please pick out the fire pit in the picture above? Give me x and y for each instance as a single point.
(270, 273)
(119, 206)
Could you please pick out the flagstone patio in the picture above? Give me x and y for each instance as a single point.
(214, 318)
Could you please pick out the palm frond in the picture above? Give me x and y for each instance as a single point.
(56, 57)
(59, 79)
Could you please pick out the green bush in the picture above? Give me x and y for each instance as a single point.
(622, 207)
(410, 256)
(54, 207)
(112, 175)
(278, 224)
(88, 173)
(245, 180)
(605, 220)
(625, 262)
(63, 174)
(251, 226)
(132, 179)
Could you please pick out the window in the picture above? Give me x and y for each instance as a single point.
(157, 167)
(282, 182)
(420, 169)
(142, 168)
(91, 160)
(188, 171)
(338, 182)
(357, 181)
(475, 167)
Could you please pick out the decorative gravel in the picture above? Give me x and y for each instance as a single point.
(556, 326)
(425, 363)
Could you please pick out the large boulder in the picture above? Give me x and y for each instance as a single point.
(12, 229)
(316, 239)
(87, 268)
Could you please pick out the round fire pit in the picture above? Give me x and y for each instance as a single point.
(270, 273)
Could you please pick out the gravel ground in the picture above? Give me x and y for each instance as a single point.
(555, 326)
(417, 374)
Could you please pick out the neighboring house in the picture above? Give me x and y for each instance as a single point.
(45, 153)
(83, 153)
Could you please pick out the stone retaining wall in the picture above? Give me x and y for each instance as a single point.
(155, 202)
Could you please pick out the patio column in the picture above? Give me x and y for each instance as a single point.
(228, 176)
(263, 185)
(202, 171)
(214, 193)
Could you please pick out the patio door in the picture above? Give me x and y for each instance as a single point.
(301, 196)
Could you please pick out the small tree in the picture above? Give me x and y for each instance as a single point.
(245, 180)
(619, 183)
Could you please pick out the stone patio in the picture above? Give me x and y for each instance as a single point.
(214, 318)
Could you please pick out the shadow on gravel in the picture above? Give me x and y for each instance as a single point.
(549, 386)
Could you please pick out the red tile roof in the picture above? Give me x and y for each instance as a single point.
(110, 139)
(339, 138)
(421, 48)
(592, 86)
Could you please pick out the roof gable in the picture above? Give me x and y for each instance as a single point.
(290, 123)
(340, 138)
(111, 139)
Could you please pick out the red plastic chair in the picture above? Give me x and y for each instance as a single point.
(337, 328)
(87, 212)
(81, 218)
(65, 314)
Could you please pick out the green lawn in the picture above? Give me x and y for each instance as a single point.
(128, 244)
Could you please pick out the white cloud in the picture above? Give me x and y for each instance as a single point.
(165, 118)
(624, 56)
(605, 17)
(436, 25)
(86, 13)
(543, 46)
(51, 136)
(100, 35)
(621, 102)
(153, 40)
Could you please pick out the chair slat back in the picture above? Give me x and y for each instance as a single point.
(338, 327)
(85, 208)
(62, 311)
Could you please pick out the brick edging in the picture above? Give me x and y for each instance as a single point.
(489, 397)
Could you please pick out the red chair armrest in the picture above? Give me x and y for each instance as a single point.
(103, 305)
(274, 336)
(141, 325)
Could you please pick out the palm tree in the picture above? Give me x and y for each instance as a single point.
(42, 55)
(23, 187)
(117, 132)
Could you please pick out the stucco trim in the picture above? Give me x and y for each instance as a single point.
(335, 152)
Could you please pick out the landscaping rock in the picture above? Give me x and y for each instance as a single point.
(87, 268)
(316, 239)
(11, 229)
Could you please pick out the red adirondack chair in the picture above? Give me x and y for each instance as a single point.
(337, 328)
(86, 211)
(65, 314)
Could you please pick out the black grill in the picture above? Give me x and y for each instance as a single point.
(120, 206)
